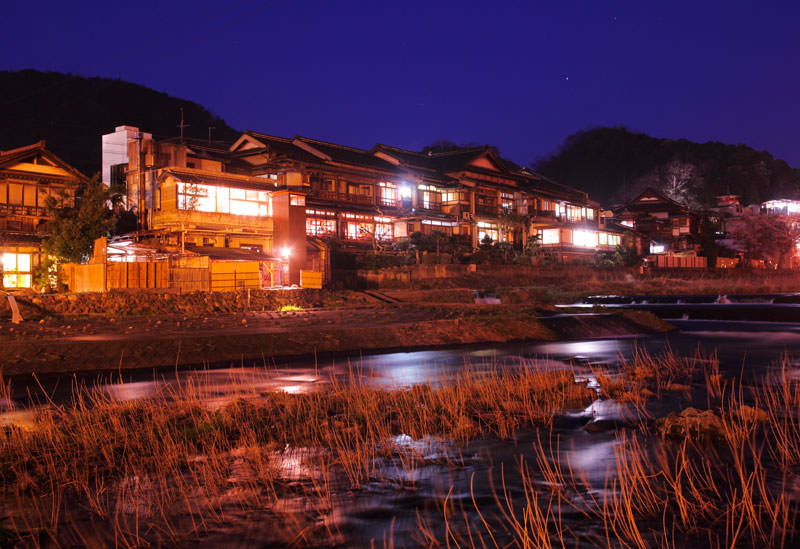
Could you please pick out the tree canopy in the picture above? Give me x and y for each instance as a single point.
(614, 165)
(77, 225)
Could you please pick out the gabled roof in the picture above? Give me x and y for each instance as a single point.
(448, 161)
(23, 159)
(651, 199)
(342, 154)
(547, 186)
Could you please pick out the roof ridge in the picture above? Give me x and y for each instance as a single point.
(331, 144)
(38, 145)
(254, 133)
(400, 149)
(461, 151)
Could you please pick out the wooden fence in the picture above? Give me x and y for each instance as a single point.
(681, 262)
(182, 274)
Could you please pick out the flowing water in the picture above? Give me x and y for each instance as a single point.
(403, 505)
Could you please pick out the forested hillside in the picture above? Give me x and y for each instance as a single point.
(72, 112)
(615, 164)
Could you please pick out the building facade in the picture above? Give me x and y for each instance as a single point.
(290, 197)
(29, 176)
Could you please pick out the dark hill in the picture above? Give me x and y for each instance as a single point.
(72, 112)
(614, 165)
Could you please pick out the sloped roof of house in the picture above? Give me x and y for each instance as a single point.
(12, 157)
(347, 155)
(651, 200)
(190, 175)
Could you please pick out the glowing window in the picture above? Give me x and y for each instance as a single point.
(16, 270)
(384, 231)
(584, 239)
(358, 231)
(215, 199)
(550, 236)
(316, 227)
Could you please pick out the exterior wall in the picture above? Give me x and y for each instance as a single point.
(289, 211)
(30, 176)
(115, 149)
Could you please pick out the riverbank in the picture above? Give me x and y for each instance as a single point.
(106, 343)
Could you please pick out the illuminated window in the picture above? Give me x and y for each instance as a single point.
(355, 230)
(487, 229)
(550, 236)
(16, 270)
(297, 200)
(451, 196)
(573, 213)
(507, 202)
(584, 239)
(384, 231)
(215, 199)
(656, 248)
(388, 194)
(430, 200)
(318, 227)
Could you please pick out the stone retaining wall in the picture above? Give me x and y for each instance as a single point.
(193, 303)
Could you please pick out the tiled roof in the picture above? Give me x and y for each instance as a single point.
(15, 155)
(349, 155)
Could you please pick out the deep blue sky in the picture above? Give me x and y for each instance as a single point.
(519, 75)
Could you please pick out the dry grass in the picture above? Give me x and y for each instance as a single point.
(172, 469)
(739, 490)
(158, 470)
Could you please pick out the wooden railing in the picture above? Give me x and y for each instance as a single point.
(342, 197)
(14, 209)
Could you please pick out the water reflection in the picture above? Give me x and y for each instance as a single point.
(751, 347)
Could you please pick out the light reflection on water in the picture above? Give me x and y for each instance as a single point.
(437, 465)
(750, 346)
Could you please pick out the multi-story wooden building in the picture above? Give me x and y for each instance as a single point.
(664, 225)
(28, 177)
(269, 193)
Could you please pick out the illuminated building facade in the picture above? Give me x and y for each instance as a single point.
(28, 177)
(664, 225)
(268, 193)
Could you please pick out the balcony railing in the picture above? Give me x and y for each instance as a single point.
(342, 197)
(388, 202)
(430, 206)
(487, 209)
(14, 209)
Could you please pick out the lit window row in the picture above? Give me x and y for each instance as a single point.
(216, 199)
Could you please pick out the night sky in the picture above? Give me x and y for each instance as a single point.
(519, 75)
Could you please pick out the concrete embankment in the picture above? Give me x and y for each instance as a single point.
(258, 338)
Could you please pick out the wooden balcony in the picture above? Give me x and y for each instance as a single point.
(333, 196)
(389, 202)
(547, 214)
(30, 211)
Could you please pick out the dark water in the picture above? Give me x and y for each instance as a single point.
(749, 347)
(400, 503)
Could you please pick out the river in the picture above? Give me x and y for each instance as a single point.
(404, 502)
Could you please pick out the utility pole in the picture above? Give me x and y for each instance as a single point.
(209, 134)
(140, 177)
(182, 125)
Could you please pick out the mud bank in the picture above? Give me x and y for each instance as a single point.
(251, 339)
